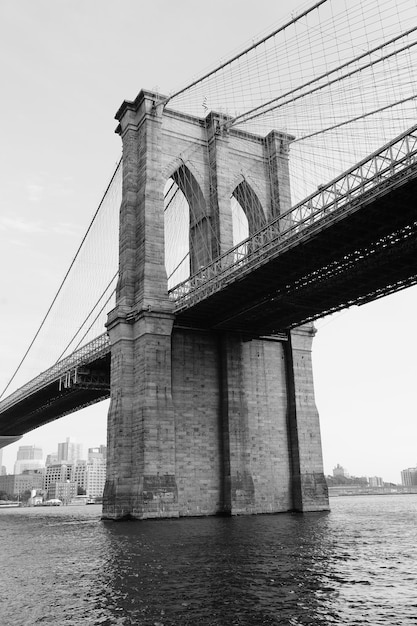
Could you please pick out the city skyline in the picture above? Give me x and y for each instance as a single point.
(59, 151)
(62, 476)
(338, 470)
(66, 452)
(328, 471)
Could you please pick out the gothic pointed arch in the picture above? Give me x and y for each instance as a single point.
(250, 205)
(188, 236)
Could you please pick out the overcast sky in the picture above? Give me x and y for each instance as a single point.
(66, 66)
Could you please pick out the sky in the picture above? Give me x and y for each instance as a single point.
(65, 67)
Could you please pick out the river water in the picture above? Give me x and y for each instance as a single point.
(354, 565)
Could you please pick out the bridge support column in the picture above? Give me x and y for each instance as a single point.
(141, 441)
(309, 486)
(238, 488)
(201, 421)
(270, 426)
(219, 196)
(277, 148)
(141, 432)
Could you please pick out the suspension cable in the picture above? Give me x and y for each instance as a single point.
(85, 320)
(240, 54)
(256, 112)
(95, 319)
(355, 119)
(63, 281)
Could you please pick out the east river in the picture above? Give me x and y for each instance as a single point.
(354, 565)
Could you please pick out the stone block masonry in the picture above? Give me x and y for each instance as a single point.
(201, 422)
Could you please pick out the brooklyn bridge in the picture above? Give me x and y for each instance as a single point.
(198, 322)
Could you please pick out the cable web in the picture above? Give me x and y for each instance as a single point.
(79, 310)
(339, 77)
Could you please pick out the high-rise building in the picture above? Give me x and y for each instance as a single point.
(90, 476)
(69, 451)
(96, 478)
(59, 482)
(51, 459)
(409, 477)
(58, 472)
(340, 471)
(80, 475)
(376, 481)
(16, 484)
(28, 458)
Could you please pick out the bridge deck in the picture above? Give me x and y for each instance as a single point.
(353, 241)
(76, 382)
(335, 264)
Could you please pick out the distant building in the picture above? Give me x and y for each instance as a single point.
(57, 472)
(79, 475)
(28, 458)
(62, 490)
(339, 472)
(51, 459)
(376, 481)
(90, 476)
(409, 477)
(69, 451)
(99, 453)
(17, 484)
(96, 477)
(2, 467)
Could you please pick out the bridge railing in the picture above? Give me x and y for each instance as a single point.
(90, 351)
(396, 159)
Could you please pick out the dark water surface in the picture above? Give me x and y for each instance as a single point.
(355, 565)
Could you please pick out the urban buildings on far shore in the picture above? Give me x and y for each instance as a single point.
(341, 483)
(69, 451)
(28, 458)
(409, 477)
(64, 476)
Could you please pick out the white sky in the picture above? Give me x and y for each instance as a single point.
(65, 68)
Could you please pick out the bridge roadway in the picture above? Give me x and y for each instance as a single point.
(353, 241)
(77, 381)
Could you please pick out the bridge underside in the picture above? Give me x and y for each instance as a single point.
(57, 399)
(350, 261)
(319, 273)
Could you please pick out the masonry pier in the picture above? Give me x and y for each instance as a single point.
(202, 421)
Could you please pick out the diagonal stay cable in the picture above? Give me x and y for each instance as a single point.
(94, 320)
(237, 56)
(179, 265)
(355, 119)
(86, 319)
(274, 104)
(62, 283)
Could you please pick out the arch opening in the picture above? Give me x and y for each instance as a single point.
(176, 227)
(247, 216)
(188, 240)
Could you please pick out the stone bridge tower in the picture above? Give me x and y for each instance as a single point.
(202, 422)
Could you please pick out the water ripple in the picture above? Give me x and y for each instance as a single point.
(356, 565)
